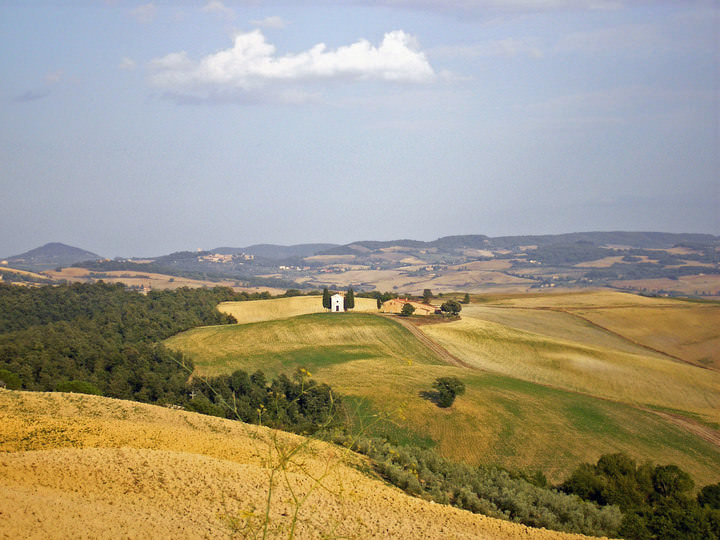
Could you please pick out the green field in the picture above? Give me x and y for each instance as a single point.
(315, 342)
(553, 390)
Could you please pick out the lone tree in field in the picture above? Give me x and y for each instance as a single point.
(407, 310)
(451, 306)
(427, 295)
(350, 299)
(448, 388)
(326, 299)
(466, 298)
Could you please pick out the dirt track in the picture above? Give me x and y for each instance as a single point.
(440, 351)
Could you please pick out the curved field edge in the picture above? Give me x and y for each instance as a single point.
(517, 424)
(586, 367)
(109, 468)
(499, 421)
(313, 341)
(283, 308)
(684, 329)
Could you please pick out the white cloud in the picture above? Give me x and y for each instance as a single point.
(217, 7)
(271, 22)
(252, 64)
(127, 64)
(144, 13)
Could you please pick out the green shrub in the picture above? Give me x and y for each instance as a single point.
(78, 387)
(710, 496)
(490, 491)
(10, 380)
(447, 389)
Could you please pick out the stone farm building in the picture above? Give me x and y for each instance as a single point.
(337, 303)
(395, 305)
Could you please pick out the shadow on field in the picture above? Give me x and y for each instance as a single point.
(430, 395)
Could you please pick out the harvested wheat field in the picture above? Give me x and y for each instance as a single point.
(89, 467)
(149, 280)
(283, 308)
(615, 346)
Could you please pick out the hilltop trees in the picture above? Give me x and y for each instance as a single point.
(451, 306)
(326, 298)
(427, 296)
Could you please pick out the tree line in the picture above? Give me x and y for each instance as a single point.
(104, 336)
(102, 339)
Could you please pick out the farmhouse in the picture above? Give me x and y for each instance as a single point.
(337, 302)
(394, 305)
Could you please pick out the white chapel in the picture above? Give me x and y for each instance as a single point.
(337, 303)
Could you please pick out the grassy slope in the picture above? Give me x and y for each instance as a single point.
(311, 341)
(282, 308)
(500, 419)
(581, 366)
(596, 343)
(75, 465)
(688, 331)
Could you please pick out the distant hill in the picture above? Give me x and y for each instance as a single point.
(275, 252)
(49, 256)
(646, 240)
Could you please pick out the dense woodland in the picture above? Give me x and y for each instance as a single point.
(103, 339)
(103, 336)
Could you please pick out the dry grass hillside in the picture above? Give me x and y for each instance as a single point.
(149, 280)
(77, 466)
(593, 392)
(612, 345)
(283, 308)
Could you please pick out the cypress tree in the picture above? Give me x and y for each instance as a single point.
(350, 299)
(326, 299)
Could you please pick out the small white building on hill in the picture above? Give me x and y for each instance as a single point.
(337, 303)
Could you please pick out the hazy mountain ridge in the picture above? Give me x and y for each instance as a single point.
(51, 255)
(685, 264)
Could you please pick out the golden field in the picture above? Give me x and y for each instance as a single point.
(546, 388)
(471, 279)
(149, 280)
(283, 308)
(77, 466)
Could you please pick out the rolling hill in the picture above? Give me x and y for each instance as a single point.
(77, 465)
(283, 308)
(647, 262)
(50, 255)
(549, 389)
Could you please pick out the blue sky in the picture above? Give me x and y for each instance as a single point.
(141, 128)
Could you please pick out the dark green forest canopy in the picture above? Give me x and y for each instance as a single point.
(104, 335)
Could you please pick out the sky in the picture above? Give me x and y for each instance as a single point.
(133, 128)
